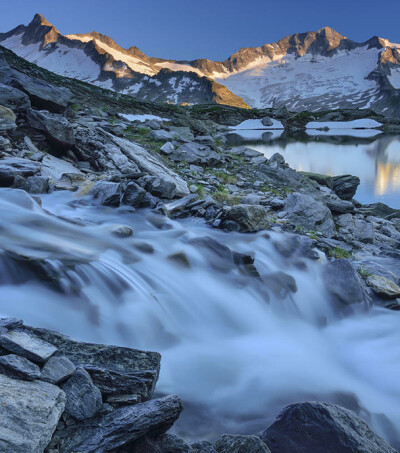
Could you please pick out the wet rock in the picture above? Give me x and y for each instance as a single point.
(133, 195)
(57, 128)
(118, 382)
(231, 443)
(179, 206)
(180, 258)
(195, 153)
(18, 367)
(247, 217)
(124, 425)
(83, 397)
(160, 135)
(29, 413)
(36, 184)
(27, 346)
(280, 283)
(13, 99)
(203, 447)
(383, 286)
(122, 232)
(309, 214)
(11, 323)
(322, 428)
(107, 192)
(343, 282)
(167, 443)
(345, 186)
(57, 369)
(159, 186)
(295, 245)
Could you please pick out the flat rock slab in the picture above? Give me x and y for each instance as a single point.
(29, 413)
(27, 345)
(124, 425)
(19, 367)
(57, 369)
(383, 286)
(11, 323)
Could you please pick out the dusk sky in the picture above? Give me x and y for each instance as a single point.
(186, 29)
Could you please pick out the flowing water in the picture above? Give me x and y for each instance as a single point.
(368, 154)
(236, 348)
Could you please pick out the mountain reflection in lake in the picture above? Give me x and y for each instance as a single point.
(374, 159)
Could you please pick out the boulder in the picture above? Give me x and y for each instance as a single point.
(206, 140)
(339, 206)
(13, 99)
(36, 184)
(160, 135)
(277, 158)
(107, 192)
(7, 115)
(196, 153)
(27, 345)
(322, 428)
(383, 287)
(309, 214)
(181, 134)
(19, 367)
(57, 128)
(360, 229)
(266, 121)
(57, 369)
(345, 186)
(133, 195)
(122, 426)
(247, 217)
(167, 148)
(10, 167)
(83, 397)
(231, 443)
(29, 414)
(343, 282)
(178, 206)
(159, 186)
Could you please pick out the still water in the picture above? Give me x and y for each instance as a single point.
(374, 159)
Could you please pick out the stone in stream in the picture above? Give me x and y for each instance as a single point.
(124, 425)
(27, 346)
(19, 367)
(343, 282)
(83, 397)
(179, 205)
(30, 412)
(235, 443)
(107, 192)
(383, 286)
(115, 382)
(36, 184)
(57, 369)
(322, 428)
(133, 195)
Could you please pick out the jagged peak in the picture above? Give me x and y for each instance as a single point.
(41, 20)
(330, 31)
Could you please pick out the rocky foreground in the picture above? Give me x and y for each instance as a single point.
(59, 395)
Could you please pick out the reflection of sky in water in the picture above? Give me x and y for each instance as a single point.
(377, 164)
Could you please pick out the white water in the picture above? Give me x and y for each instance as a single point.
(234, 358)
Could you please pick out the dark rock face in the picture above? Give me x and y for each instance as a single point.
(83, 397)
(322, 428)
(14, 99)
(107, 192)
(18, 367)
(343, 282)
(124, 425)
(345, 186)
(133, 195)
(230, 443)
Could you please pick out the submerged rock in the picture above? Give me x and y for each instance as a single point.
(322, 428)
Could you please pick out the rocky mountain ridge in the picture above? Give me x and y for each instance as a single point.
(304, 71)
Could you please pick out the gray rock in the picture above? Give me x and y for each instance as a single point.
(203, 447)
(358, 228)
(29, 414)
(309, 214)
(167, 443)
(36, 184)
(383, 286)
(57, 369)
(107, 192)
(27, 345)
(133, 195)
(13, 99)
(153, 124)
(277, 158)
(247, 217)
(343, 282)
(167, 148)
(159, 186)
(181, 134)
(179, 205)
(124, 400)
(195, 153)
(10, 167)
(206, 140)
(5, 144)
(122, 231)
(19, 367)
(57, 128)
(117, 382)
(124, 425)
(266, 121)
(345, 186)
(322, 428)
(160, 135)
(83, 397)
(231, 443)
(11, 323)
(337, 205)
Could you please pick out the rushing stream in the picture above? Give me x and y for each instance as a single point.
(235, 348)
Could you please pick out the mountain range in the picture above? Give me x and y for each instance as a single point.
(305, 71)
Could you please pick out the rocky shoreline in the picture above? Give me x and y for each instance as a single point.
(63, 396)
(59, 395)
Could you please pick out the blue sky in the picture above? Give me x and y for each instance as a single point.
(188, 29)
